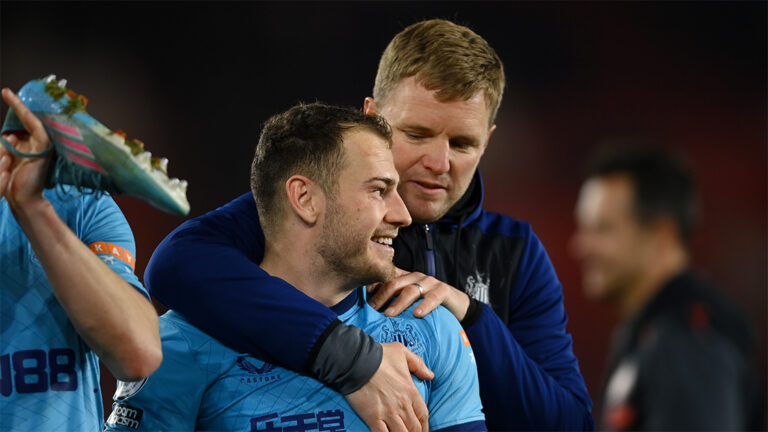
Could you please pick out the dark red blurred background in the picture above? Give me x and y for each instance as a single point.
(195, 81)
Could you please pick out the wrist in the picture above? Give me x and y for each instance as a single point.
(462, 304)
(346, 359)
(28, 211)
(474, 311)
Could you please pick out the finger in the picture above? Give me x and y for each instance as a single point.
(30, 121)
(15, 103)
(407, 296)
(392, 288)
(4, 177)
(372, 287)
(396, 424)
(5, 172)
(431, 301)
(410, 420)
(422, 413)
(11, 139)
(5, 160)
(379, 426)
(383, 294)
(417, 366)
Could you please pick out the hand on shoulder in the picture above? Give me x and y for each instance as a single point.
(408, 287)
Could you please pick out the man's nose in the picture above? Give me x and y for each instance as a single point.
(397, 213)
(436, 158)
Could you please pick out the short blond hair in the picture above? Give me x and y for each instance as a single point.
(443, 56)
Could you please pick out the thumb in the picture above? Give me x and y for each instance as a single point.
(371, 288)
(6, 163)
(417, 366)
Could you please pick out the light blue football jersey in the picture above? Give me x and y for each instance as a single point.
(203, 385)
(49, 377)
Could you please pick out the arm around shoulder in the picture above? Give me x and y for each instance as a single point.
(215, 257)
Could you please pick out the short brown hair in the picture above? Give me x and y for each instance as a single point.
(307, 139)
(443, 56)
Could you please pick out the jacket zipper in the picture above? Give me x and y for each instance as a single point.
(430, 251)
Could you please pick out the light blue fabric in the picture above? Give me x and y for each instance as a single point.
(49, 377)
(203, 385)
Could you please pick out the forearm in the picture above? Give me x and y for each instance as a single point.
(287, 328)
(520, 393)
(207, 271)
(218, 289)
(112, 317)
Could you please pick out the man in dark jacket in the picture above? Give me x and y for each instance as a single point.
(682, 358)
(439, 85)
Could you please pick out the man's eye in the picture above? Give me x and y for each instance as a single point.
(461, 145)
(379, 191)
(413, 136)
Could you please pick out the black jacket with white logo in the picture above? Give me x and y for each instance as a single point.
(529, 376)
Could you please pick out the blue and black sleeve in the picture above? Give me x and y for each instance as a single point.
(207, 270)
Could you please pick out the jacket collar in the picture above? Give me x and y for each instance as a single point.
(469, 206)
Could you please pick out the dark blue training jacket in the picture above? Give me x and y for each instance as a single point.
(529, 377)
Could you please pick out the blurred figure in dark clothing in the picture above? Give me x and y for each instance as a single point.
(682, 359)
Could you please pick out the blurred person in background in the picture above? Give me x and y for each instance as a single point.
(439, 85)
(682, 358)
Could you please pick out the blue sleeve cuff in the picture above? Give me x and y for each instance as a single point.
(466, 427)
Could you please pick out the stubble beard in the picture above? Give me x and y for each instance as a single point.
(346, 252)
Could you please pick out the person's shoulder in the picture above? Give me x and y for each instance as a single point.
(498, 223)
(92, 215)
(375, 322)
(68, 199)
(437, 323)
(238, 214)
(515, 233)
(442, 314)
(691, 306)
(67, 195)
(174, 328)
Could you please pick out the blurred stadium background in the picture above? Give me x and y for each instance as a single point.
(196, 80)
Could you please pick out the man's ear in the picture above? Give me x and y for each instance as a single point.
(306, 197)
(369, 106)
(491, 130)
